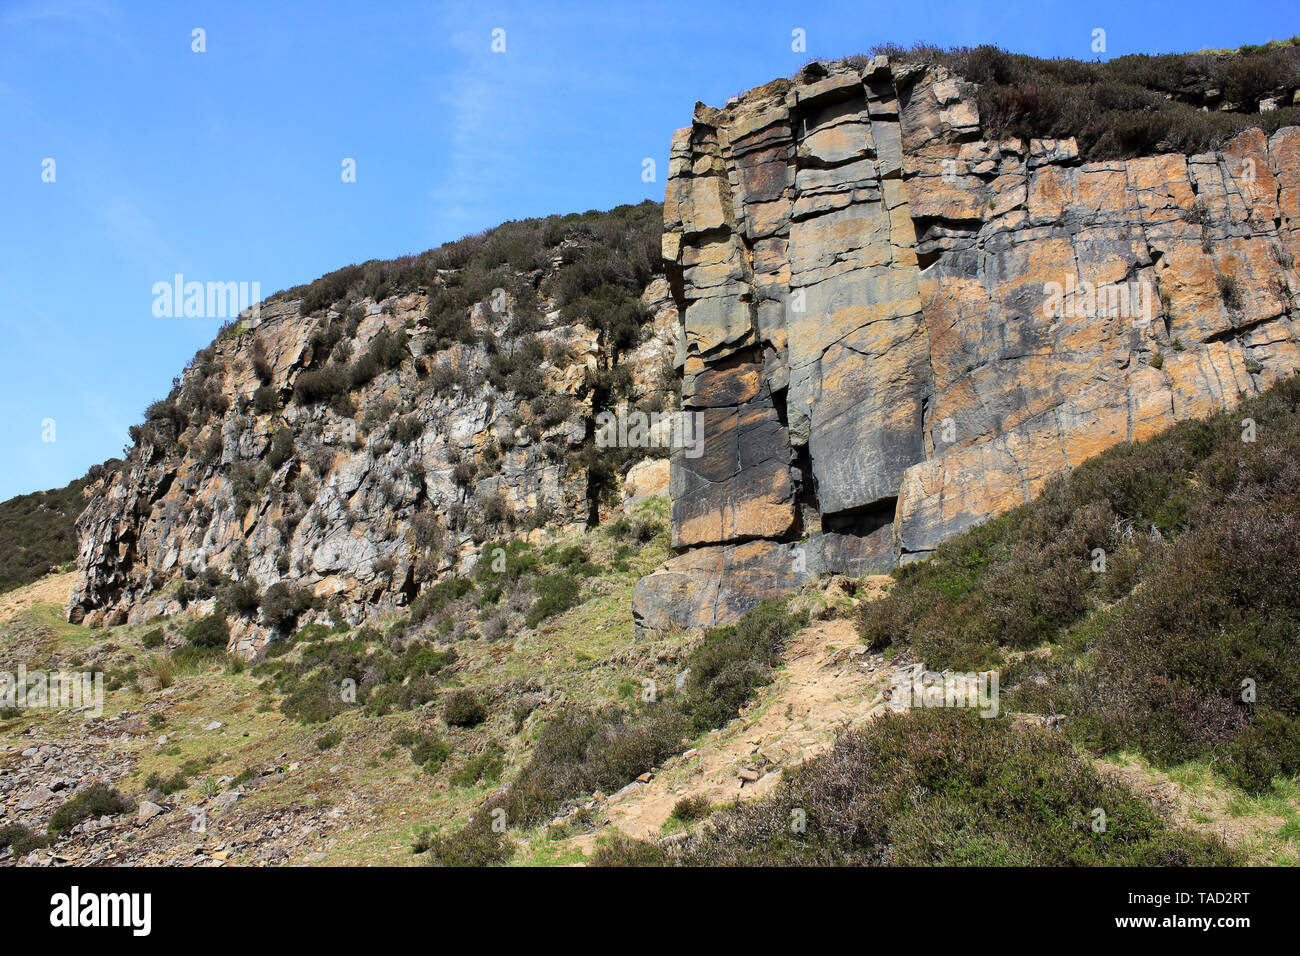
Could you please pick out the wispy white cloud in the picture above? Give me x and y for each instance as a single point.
(86, 15)
(496, 119)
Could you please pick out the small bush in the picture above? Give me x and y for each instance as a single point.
(406, 430)
(1229, 290)
(437, 596)
(161, 668)
(472, 846)
(463, 709)
(690, 809)
(556, 593)
(209, 632)
(153, 639)
(485, 767)
(387, 351)
(266, 400)
(166, 785)
(622, 850)
(427, 749)
(242, 597)
(95, 801)
(321, 385)
(21, 840)
(313, 701)
(282, 448)
(283, 604)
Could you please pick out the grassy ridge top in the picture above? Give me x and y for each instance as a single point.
(1127, 106)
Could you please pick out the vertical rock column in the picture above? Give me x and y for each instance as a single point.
(792, 257)
(734, 483)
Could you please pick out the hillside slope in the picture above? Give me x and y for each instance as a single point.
(38, 532)
(520, 687)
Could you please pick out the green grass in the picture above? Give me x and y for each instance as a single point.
(582, 750)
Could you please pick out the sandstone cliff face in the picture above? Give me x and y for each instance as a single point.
(360, 503)
(893, 329)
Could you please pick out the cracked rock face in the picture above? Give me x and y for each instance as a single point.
(365, 505)
(895, 330)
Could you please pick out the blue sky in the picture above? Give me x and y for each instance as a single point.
(226, 165)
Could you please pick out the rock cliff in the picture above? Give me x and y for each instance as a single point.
(886, 327)
(353, 450)
(893, 328)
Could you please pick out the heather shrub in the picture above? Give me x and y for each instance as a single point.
(731, 662)
(689, 809)
(581, 750)
(37, 532)
(166, 785)
(1184, 642)
(330, 288)
(556, 593)
(622, 850)
(435, 597)
(283, 604)
(241, 597)
(1126, 106)
(209, 632)
(470, 846)
(940, 788)
(427, 749)
(485, 767)
(463, 708)
(21, 839)
(95, 801)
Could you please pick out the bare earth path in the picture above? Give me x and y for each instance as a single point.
(828, 682)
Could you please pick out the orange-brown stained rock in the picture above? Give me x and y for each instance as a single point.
(735, 482)
(939, 355)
